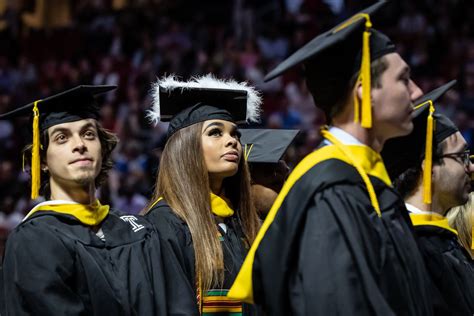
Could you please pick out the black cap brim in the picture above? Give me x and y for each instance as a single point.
(59, 101)
(401, 153)
(172, 102)
(420, 103)
(266, 145)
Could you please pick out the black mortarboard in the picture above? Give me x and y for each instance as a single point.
(68, 106)
(202, 98)
(266, 145)
(402, 153)
(331, 59)
(71, 105)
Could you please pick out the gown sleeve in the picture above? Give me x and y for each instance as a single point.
(37, 273)
(2, 293)
(450, 271)
(178, 262)
(336, 272)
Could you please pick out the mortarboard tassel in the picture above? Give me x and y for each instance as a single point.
(364, 74)
(247, 150)
(365, 77)
(428, 156)
(35, 155)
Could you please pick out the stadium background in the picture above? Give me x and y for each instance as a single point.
(50, 45)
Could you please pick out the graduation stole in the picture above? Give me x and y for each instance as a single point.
(363, 158)
(88, 214)
(432, 219)
(215, 301)
(220, 206)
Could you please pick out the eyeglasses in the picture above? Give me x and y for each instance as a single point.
(465, 157)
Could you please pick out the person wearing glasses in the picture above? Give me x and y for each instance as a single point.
(431, 169)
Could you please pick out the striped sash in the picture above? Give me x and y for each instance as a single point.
(216, 302)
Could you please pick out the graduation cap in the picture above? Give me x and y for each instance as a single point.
(429, 130)
(266, 145)
(331, 59)
(200, 99)
(68, 106)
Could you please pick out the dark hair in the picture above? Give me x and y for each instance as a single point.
(377, 68)
(407, 182)
(108, 141)
(333, 94)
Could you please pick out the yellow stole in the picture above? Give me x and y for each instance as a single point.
(88, 214)
(432, 219)
(220, 206)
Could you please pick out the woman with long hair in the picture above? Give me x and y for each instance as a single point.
(201, 205)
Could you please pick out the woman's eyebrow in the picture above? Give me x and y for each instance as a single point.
(213, 124)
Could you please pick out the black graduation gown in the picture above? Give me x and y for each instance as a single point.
(177, 246)
(2, 293)
(54, 265)
(451, 270)
(328, 253)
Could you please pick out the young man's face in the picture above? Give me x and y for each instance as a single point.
(73, 157)
(452, 178)
(392, 99)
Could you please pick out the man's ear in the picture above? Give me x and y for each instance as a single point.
(359, 90)
(44, 166)
(433, 169)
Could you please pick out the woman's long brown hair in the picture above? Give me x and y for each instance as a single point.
(183, 181)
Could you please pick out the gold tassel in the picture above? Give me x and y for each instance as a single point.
(364, 74)
(365, 77)
(428, 156)
(247, 150)
(35, 154)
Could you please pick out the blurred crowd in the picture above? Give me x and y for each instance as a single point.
(50, 45)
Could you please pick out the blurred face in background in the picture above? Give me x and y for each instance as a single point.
(267, 181)
(452, 178)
